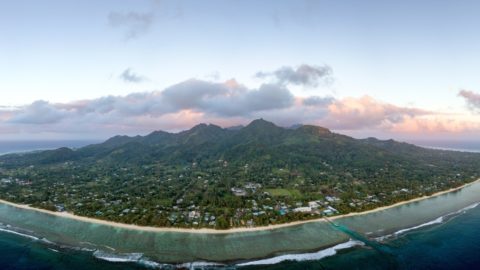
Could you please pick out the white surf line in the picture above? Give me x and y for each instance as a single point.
(305, 256)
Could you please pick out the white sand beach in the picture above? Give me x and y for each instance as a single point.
(214, 231)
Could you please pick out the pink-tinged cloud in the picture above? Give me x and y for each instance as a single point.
(230, 103)
(436, 124)
(366, 112)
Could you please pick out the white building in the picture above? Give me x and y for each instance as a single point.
(306, 209)
(313, 204)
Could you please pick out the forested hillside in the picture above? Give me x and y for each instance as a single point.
(209, 176)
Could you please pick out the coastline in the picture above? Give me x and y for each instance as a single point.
(228, 231)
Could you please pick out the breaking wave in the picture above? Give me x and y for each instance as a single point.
(201, 265)
(113, 257)
(438, 220)
(137, 258)
(306, 256)
(20, 234)
(435, 221)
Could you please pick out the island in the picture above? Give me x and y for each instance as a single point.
(217, 178)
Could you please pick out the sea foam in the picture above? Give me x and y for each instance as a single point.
(20, 234)
(306, 256)
(435, 221)
(438, 220)
(201, 265)
(137, 258)
(117, 257)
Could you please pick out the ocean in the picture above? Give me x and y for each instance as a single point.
(454, 244)
(466, 146)
(25, 146)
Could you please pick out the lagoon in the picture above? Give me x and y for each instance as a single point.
(121, 244)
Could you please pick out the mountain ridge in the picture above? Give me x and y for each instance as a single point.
(216, 177)
(259, 132)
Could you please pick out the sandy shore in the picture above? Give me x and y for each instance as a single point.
(213, 231)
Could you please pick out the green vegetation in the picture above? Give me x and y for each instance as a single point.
(219, 178)
(279, 192)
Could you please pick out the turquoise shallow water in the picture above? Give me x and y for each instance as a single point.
(171, 247)
(441, 228)
(453, 243)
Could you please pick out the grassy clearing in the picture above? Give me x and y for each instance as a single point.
(282, 192)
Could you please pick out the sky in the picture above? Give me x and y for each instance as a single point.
(94, 69)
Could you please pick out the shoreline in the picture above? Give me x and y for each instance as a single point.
(228, 231)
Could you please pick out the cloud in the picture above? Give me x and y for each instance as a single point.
(317, 101)
(366, 112)
(435, 124)
(305, 75)
(133, 23)
(128, 76)
(472, 99)
(227, 103)
(39, 112)
(226, 99)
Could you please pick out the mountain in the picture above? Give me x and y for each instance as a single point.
(221, 171)
(259, 140)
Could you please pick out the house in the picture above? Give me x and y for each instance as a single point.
(330, 211)
(252, 186)
(332, 199)
(313, 204)
(239, 191)
(306, 209)
(267, 207)
(327, 212)
(6, 181)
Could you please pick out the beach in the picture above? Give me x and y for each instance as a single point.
(228, 231)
